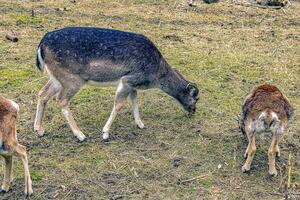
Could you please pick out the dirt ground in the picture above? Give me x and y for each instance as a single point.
(226, 48)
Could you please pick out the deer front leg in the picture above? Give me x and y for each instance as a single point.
(135, 109)
(8, 174)
(123, 90)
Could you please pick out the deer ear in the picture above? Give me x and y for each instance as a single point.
(192, 89)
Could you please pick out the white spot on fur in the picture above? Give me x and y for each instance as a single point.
(120, 86)
(274, 116)
(262, 116)
(14, 104)
(102, 83)
(42, 63)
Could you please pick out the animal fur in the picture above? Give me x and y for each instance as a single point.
(265, 109)
(10, 146)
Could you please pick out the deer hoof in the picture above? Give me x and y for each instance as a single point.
(245, 168)
(2, 190)
(81, 137)
(140, 124)
(27, 195)
(105, 136)
(273, 172)
(40, 133)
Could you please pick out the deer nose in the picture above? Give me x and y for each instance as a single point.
(192, 109)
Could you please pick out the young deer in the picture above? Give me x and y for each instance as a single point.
(265, 109)
(9, 145)
(76, 56)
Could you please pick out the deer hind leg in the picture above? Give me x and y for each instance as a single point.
(251, 149)
(8, 174)
(49, 90)
(64, 98)
(135, 109)
(247, 129)
(21, 153)
(123, 90)
(272, 154)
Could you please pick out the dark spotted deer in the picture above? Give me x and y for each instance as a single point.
(9, 145)
(73, 57)
(265, 109)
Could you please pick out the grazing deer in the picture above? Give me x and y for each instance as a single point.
(265, 109)
(76, 56)
(9, 145)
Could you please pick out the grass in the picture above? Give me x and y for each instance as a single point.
(225, 48)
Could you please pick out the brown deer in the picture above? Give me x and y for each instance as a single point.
(75, 56)
(9, 145)
(265, 109)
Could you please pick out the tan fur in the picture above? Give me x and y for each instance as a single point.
(265, 109)
(10, 146)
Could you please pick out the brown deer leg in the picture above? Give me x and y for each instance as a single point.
(21, 153)
(247, 150)
(49, 90)
(123, 90)
(250, 152)
(135, 109)
(272, 154)
(277, 147)
(8, 174)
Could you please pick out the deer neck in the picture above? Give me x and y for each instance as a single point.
(171, 82)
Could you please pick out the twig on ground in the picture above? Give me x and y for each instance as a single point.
(289, 170)
(192, 179)
(277, 194)
(12, 38)
(143, 149)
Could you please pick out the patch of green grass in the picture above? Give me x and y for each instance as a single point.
(28, 20)
(36, 175)
(19, 76)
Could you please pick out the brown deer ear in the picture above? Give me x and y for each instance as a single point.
(192, 89)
